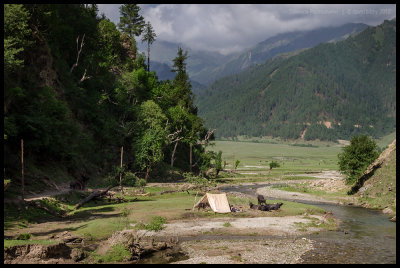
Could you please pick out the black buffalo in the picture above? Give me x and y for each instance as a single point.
(266, 207)
(252, 206)
(261, 199)
(274, 206)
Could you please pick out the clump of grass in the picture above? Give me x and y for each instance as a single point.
(117, 253)
(227, 224)
(24, 236)
(156, 224)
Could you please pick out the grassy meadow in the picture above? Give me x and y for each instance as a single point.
(294, 157)
(256, 156)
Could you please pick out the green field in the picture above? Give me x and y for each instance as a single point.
(292, 159)
(255, 154)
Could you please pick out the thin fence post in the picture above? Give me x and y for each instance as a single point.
(120, 174)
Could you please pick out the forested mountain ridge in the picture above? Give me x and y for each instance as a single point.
(278, 44)
(76, 91)
(332, 91)
(205, 67)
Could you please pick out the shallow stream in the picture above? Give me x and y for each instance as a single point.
(364, 235)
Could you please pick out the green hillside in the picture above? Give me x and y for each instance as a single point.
(329, 92)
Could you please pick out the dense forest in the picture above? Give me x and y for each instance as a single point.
(79, 95)
(329, 92)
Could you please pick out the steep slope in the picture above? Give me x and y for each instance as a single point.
(376, 188)
(275, 45)
(332, 91)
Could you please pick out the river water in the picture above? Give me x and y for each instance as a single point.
(364, 235)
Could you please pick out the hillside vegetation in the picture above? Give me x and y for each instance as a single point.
(79, 95)
(329, 92)
(376, 188)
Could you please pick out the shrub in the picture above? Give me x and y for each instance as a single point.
(237, 162)
(25, 236)
(140, 183)
(156, 223)
(129, 179)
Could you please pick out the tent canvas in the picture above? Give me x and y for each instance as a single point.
(218, 202)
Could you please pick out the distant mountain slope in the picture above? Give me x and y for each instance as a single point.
(162, 54)
(332, 91)
(275, 45)
(205, 67)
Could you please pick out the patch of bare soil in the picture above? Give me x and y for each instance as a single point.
(265, 251)
(276, 226)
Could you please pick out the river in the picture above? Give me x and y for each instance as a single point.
(364, 235)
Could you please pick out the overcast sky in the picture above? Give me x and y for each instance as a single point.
(228, 28)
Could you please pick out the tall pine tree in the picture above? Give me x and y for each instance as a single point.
(131, 22)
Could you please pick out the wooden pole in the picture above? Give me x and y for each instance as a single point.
(120, 174)
(190, 157)
(22, 165)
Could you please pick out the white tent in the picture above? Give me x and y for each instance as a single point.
(218, 202)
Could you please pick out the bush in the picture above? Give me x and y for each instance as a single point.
(25, 236)
(129, 179)
(237, 162)
(273, 164)
(140, 183)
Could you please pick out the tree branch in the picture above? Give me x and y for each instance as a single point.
(79, 51)
(84, 77)
(206, 137)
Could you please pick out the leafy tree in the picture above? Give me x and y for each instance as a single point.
(357, 156)
(131, 22)
(273, 164)
(16, 35)
(151, 136)
(149, 37)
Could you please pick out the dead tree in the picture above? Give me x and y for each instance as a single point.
(202, 142)
(174, 138)
(79, 50)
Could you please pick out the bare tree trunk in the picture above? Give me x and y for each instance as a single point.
(190, 157)
(22, 165)
(120, 173)
(148, 56)
(173, 154)
(147, 173)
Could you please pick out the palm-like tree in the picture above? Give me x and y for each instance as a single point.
(149, 37)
